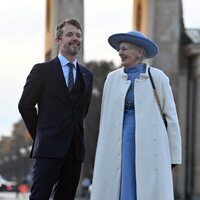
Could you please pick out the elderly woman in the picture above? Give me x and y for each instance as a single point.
(135, 149)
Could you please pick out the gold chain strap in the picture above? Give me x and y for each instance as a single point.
(157, 98)
(159, 104)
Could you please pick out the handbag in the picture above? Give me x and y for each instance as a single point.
(157, 98)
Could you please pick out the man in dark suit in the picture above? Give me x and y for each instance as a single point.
(61, 89)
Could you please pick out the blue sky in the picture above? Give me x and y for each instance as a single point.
(22, 42)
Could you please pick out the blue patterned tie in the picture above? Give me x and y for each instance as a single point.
(70, 77)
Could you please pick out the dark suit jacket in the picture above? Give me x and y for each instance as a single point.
(57, 120)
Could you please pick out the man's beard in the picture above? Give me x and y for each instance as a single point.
(71, 50)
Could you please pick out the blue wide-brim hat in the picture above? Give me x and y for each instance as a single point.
(136, 38)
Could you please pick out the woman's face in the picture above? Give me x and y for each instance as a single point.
(130, 54)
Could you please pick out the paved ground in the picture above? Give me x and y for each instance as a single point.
(13, 196)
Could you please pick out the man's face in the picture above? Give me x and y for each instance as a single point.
(70, 40)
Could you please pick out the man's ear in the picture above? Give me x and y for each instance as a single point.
(57, 42)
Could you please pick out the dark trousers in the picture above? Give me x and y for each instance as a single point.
(60, 175)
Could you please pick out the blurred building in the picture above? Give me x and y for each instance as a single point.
(56, 11)
(15, 164)
(179, 57)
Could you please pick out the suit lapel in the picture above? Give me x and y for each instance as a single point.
(85, 82)
(58, 73)
(83, 74)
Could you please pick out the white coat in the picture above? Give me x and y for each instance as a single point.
(156, 147)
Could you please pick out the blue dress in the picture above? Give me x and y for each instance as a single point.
(128, 175)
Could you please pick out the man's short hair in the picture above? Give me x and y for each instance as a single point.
(71, 21)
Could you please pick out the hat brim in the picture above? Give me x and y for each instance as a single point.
(148, 45)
